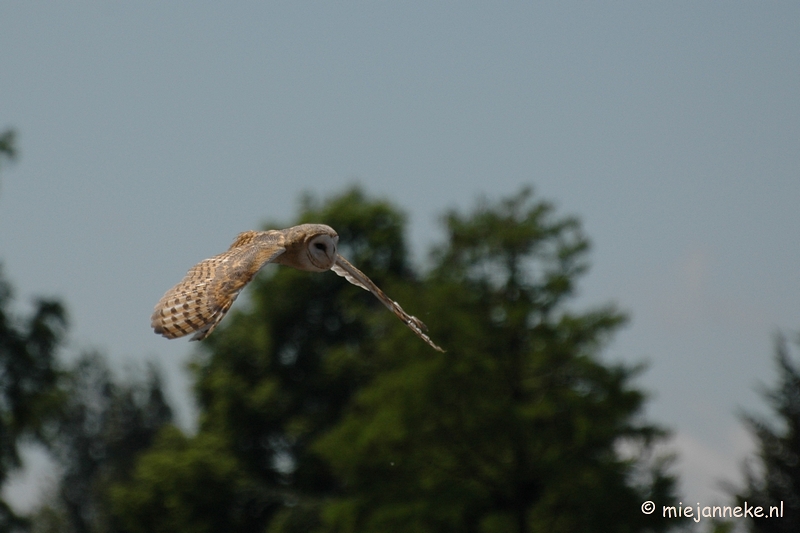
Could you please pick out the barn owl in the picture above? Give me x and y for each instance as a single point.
(199, 302)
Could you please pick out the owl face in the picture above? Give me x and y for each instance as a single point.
(322, 251)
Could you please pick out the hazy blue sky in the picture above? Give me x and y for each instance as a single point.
(151, 133)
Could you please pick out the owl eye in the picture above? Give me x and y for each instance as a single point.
(320, 246)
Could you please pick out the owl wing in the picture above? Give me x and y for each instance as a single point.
(199, 302)
(345, 269)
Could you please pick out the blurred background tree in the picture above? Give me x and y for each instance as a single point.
(28, 378)
(101, 426)
(517, 427)
(93, 426)
(28, 375)
(774, 476)
(320, 412)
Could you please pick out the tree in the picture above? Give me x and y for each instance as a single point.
(206, 490)
(93, 426)
(27, 380)
(101, 427)
(775, 477)
(28, 373)
(517, 427)
(334, 417)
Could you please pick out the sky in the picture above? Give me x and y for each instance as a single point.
(151, 133)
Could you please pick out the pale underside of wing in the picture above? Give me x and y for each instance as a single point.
(199, 302)
(345, 269)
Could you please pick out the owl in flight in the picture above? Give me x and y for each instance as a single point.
(199, 302)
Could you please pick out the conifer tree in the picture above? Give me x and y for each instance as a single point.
(774, 478)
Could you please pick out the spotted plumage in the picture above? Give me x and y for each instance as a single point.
(199, 302)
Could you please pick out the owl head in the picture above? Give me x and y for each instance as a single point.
(322, 251)
(315, 248)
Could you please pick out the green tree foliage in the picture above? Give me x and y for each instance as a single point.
(326, 414)
(28, 373)
(27, 380)
(94, 426)
(776, 476)
(206, 490)
(283, 370)
(100, 428)
(516, 428)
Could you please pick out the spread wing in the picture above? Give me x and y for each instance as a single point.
(345, 269)
(199, 302)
